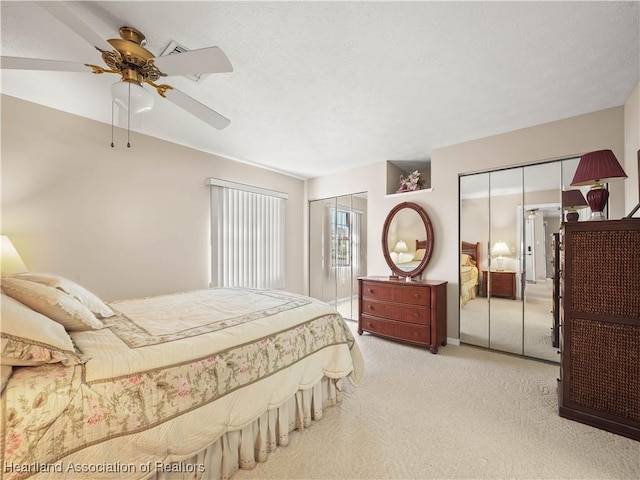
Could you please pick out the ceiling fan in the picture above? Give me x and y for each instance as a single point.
(127, 57)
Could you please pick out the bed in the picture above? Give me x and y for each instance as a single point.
(469, 273)
(189, 385)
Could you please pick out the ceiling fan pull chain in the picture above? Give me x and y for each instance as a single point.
(129, 117)
(113, 104)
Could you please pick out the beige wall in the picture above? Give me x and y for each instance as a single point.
(561, 139)
(135, 222)
(122, 222)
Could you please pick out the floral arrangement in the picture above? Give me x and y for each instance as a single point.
(411, 182)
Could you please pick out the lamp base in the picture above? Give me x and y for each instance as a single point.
(572, 216)
(597, 199)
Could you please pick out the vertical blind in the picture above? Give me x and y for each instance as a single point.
(247, 236)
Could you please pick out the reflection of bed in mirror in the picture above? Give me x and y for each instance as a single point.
(407, 261)
(469, 273)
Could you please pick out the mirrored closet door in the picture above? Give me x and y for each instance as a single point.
(337, 250)
(507, 221)
(503, 275)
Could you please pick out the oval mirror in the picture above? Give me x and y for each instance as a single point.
(407, 239)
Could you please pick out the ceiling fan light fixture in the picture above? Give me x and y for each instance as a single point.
(131, 94)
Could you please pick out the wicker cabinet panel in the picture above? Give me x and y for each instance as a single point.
(413, 312)
(601, 269)
(594, 362)
(599, 382)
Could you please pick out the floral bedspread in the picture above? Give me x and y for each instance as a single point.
(149, 369)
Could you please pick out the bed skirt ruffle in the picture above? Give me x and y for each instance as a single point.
(243, 448)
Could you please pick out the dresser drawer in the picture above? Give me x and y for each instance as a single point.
(501, 279)
(377, 291)
(397, 293)
(405, 313)
(410, 332)
(413, 295)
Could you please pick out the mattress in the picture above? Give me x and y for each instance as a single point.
(168, 376)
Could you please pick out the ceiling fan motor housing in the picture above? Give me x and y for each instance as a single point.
(133, 35)
(130, 58)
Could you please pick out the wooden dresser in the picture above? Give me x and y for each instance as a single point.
(599, 380)
(413, 312)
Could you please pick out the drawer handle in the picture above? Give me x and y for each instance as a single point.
(369, 324)
(416, 295)
(415, 334)
(416, 315)
(371, 307)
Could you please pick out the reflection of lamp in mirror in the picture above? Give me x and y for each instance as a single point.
(401, 247)
(596, 168)
(10, 258)
(571, 201)
(500, 249)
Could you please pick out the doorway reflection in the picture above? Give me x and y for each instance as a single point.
(542, 217)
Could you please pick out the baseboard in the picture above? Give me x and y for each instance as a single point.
(453, 341)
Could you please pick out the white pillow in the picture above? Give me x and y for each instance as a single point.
(405, 257)
(84, 296)
(29, 338)
(52, 303)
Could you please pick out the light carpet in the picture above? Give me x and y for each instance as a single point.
(465, 413)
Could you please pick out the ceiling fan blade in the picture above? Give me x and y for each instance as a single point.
(204, 60)
(20, 63)
(65, 14)
(196, 108)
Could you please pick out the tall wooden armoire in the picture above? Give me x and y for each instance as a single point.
(599, 380)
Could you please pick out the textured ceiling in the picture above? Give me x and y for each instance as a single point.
(319, 87)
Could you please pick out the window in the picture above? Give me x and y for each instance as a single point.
(247, 236)
(341, 237)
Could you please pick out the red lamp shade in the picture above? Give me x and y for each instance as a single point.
(597, 167)
(594, 169)
(571, 200)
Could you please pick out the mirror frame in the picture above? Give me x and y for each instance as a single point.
(428, 242)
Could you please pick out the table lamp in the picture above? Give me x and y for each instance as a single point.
(500, 249)
(571, 201)
(401, 247)
(10, 260)
(595, 169)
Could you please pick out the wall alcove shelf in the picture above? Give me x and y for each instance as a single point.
(398, 168)
(411, 192)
